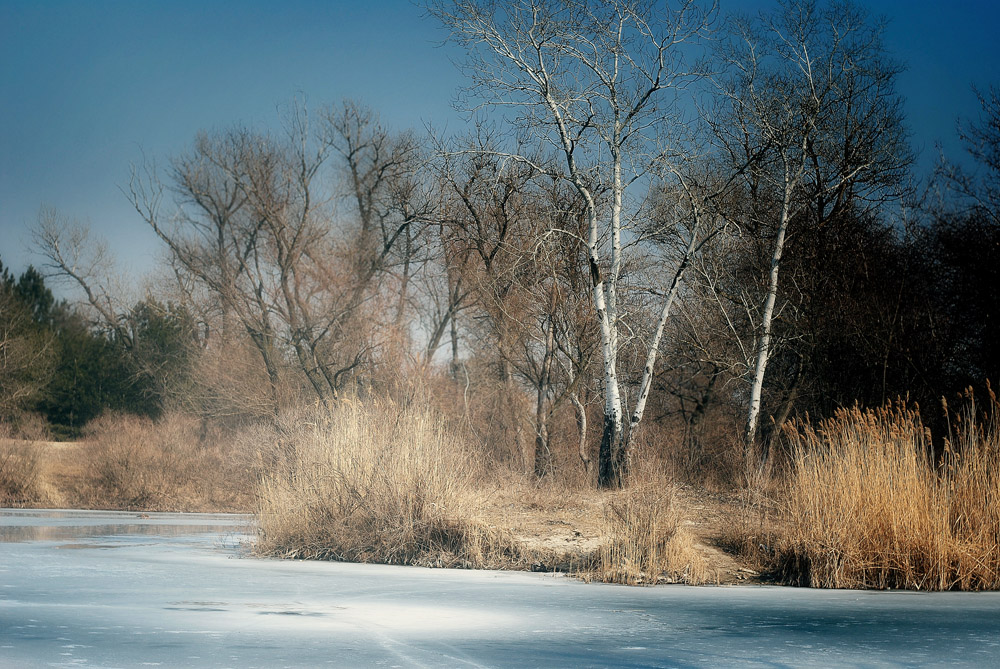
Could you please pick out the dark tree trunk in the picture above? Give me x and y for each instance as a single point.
(610, 460)
(261, 341)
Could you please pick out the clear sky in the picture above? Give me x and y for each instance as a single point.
(86, 87)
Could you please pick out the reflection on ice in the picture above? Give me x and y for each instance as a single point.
(59, 525)
(20, 533)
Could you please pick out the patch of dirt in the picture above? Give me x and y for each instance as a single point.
(567, 528)
(708, 516)
(566, 534)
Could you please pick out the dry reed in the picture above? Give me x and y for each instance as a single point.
(869, 506)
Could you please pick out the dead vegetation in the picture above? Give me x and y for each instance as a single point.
(21, 475)
(862, 501)
(378, 482)
(645, 540)
(172, 463)
(369, 482)
(374, 483)
(125, 462)
(869, 505)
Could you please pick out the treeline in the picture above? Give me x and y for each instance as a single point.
(605, 271)
(59, 366)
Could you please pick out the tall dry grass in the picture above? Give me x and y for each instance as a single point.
(870, 507)
(374, 482)
(23, 475)
(644, 540)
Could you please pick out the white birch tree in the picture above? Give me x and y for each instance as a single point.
(596, 84)
(808, 99)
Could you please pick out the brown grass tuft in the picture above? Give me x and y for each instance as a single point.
(374, 482)
(645, 541)
(170, 464)
(21, 473)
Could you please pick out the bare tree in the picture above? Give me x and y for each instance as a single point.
(212, 235)
(523, 284)
(980, 187)
(595, 84)
(256, 221)
(808, 100)
(72, 254)
(489, 222)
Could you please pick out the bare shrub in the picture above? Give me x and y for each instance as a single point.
(373, 482)
(27, 426)
(21, 472)
(868, 507)
(124, 467)
(707, 456)
(170, 464)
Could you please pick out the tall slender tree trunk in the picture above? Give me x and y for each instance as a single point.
(611, 457)
(543, 452)
(764, 346)
(581, 426)
(654, 345)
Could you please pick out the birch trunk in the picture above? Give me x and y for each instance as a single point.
(581, 426)
(612, 455)
(593, 75)
(764, 346)
(654, 347)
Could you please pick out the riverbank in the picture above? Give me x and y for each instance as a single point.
(561, 530)
(861, 500)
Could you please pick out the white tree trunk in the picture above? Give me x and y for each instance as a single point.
(654, 345)
(764, 346)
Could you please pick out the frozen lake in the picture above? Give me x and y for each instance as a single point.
(106, 589)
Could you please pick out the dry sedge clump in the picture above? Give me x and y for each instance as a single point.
(870, 508)
(645, 542)
(23, 474)
(374, 482)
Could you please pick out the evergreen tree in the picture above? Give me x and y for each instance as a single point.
(26, 346)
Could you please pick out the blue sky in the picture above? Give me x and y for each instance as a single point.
(87, 87)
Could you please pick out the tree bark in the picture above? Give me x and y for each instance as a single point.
(609, 457)
(581, 426)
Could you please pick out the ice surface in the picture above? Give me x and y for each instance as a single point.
(104, 589)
